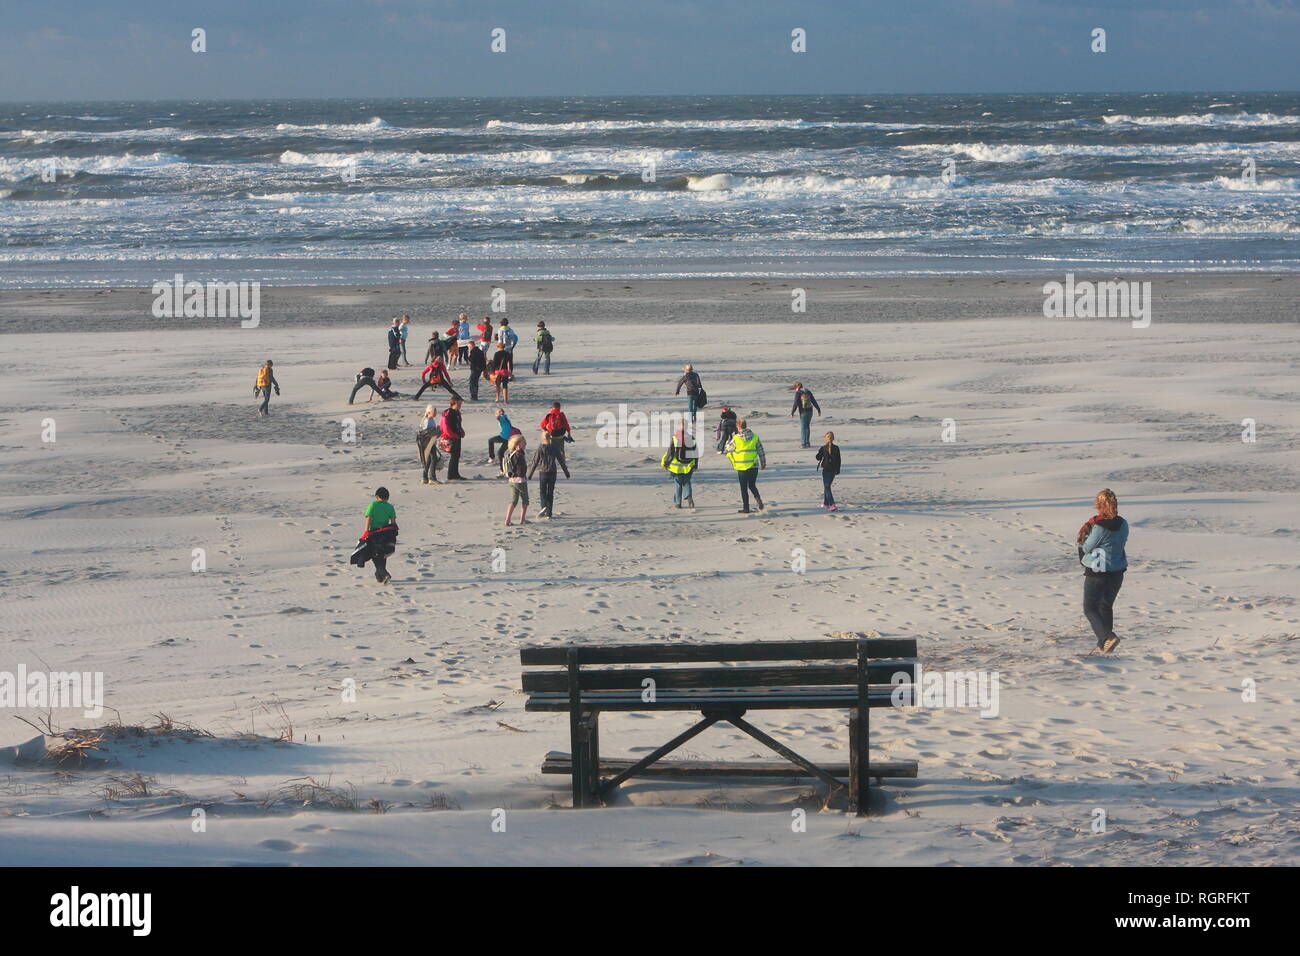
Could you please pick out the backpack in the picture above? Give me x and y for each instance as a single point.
(805, 399)
(442, 421)
(508, 337)
(366, 373)
(545, 341)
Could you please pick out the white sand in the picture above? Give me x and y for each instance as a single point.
(967, 546)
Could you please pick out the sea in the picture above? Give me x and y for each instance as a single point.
(371, 191)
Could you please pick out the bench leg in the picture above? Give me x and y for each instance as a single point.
(593, 758)
(859, 759)
(584, 739)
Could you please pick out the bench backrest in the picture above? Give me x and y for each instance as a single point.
(819, 663)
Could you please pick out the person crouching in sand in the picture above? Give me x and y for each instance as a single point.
(1101, 543)
(516, 469)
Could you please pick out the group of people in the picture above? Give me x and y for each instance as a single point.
(1101, 541)
(487, 351)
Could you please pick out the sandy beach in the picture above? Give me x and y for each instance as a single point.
(966, 545)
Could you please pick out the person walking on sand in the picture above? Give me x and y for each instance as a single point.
(545, 342)
(804, 403)
(556, 424)
(725, 428)
(694, 389)
(378, 536)
(426, 441)
(436, 374)
(745, 452)
(394, 344)
(262, 386)
(404, 331)
(681, 460)
(502, 438)
(451, 433)
(548, 457)
(477, 369)
(828, 460)
(1101, 543)
(500, 371)
(516, 469)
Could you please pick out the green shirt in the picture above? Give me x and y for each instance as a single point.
(381, 513)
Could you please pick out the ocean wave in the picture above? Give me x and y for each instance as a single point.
(16, 170)
(1204, 119)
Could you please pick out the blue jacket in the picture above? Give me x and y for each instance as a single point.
(1103, 549)
(504, 422)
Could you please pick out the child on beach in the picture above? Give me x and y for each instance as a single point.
(804, 404)
(436, 374)
(499, 373)
(1101, 542)
(426, 440)
(516, 468)
(545, 342)
(828, 460)
(404, 330)
(549, 457)
(501, 438)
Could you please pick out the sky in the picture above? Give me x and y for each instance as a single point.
(141, 49)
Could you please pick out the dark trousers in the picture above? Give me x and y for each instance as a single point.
(493, 442)
(438, 382)
(362, 383)
(474, 375)
(546, 489)
(394, 353)
(543, 360)
(1099, 593)
(828, 499)
(453, 460)
(749, 484)
(404, 358)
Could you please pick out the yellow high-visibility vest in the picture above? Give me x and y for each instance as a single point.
(263, 377)
(745, 455)
(670, 462)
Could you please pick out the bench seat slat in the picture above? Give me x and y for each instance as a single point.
(753, 698)
(823, 650)
(708, 677)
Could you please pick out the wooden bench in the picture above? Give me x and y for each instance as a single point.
(796, 675)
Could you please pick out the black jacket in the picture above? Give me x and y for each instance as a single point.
(828, 459)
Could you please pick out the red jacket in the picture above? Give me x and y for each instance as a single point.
(434, 372)
(555, 422)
